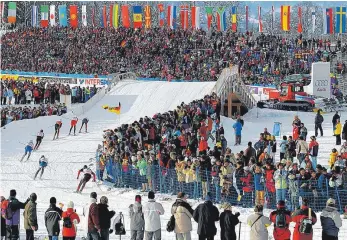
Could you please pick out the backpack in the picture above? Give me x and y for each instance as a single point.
(280, 220)
(7, 212)
(171, 224)
(305, 226)
(67, 223)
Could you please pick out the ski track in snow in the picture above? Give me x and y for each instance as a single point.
(139, 99)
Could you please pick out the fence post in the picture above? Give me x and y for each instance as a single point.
(338, 197)
(160, 180)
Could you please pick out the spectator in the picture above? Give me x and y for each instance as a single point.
(105, 217)
(53, 216)
(228, 221)
(318, 123)
(70, 231)
(304, 219)
(137, 222)
(30, 217)
(3, 220)
(337, 131)
(313, 149)
(259, 224)
(238, 128)
(206, 214)
(152, 211)
(280, 176)
(330, 221)
(93, 222)
(183, 213)
(281, 219)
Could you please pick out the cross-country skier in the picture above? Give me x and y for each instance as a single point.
(28, 149)
(87, 176)
(43, 162)
(39, 138)
(84, 122)
(57, 128)
(74, 121)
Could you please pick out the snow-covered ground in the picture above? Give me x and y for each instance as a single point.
(138, 99)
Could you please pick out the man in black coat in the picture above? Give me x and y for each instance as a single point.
(335, 117)
(318, 123)
(228, 221)
(105, 217)
(52, 218)
(206, 214)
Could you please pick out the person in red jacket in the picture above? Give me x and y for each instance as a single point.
(70, 233)
(247, 187)
(74, 121)
(203, 146)
(281, 219)
(298, 217)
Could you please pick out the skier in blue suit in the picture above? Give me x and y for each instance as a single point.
(28, 149)
(43, 162)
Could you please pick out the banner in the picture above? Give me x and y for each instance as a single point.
(209, 15)
(73, 16)
(44, 15)
(246, 8)
(84, 15)
(260, 28)
(340, 20)
(147, 11)
(195, 17)
(313, 14)
(321, 82)
(161, 15)
(9, 77)
(34, 16)
(221, 19)
(52, 15)
(285, 18)
(62, 16)
(276, 131)
(300, 20)
(184, 16)
(233, 19)
(171, 16)
(137, 16)
(125, 16)
(12, 12)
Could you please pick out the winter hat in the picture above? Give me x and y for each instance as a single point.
(52, 200)
(13, 193)
(208, 197)
(33, 197)
(151, 195)
(93, 195)
(70, 204)
(281, 204)
(226, 205)
(138, 198)
(331, 202)
(103, 200)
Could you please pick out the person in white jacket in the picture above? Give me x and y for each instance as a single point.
(152, 211)
(28, 96)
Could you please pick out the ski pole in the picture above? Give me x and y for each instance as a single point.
(22, 143)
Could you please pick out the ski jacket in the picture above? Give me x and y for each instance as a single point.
(206, 214)
(318, 119)
(86, 171)
(137, 221)
(331, 221)
(258, 223)
(15, 208)
(151, 212)
(280, 177)
(52, 217)
(105, 216)
(70, 232)
(281, 233)
(30, 215)
(93, 217)
(183, 213)
(228, 221)
(313, 147)
(297, 217)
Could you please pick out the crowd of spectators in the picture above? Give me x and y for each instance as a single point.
(161, 53)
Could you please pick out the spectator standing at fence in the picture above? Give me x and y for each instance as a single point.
(137, 221)
(152, 211)
(313, 149)
(280, 177)
(228, 222)
(206, 214)
(330, 221)
(183, 213)
(281, 219)
(304, 219)
(69, 233)
(30, 217)
(259, 224)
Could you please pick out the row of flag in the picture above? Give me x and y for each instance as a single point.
(112, 15)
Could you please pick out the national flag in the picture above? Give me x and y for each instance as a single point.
(34, 16)
(73, 16)
(44, 15)
(195, 17)
(161, 14)
(147, 12)
(137, 16)
(12, 12)
(184, 16)
(221, 19)
(62, 16)
(2, 8)
(52, 15)
(285, 18)
(115, 110)
(340, 20)
(103, 19)
(328, 21)
(84, 15)
(246, 8)
(300, 20)
(114, 16)
(171, 16)
(233, 19)
(209, 15)
(273, 17)
(125, 16)
(260, 20)
(313, 14)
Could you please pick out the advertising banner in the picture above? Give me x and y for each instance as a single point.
(92, 81)
(321, 81)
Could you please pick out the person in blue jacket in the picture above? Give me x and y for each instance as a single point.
(43, 162)
(238, 128)
(28, 149)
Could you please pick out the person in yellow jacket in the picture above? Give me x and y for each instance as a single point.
(180, 165)
(190, 178)
(337, 131)
(333, 156)
(226, 173)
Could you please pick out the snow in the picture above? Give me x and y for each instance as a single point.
(138, 99)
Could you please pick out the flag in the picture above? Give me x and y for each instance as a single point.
(209, 15)
(328, 21)
(233, 19)
(184, 16)
(115, 110)
(103, 20)
(137, 16)
(340, 20)
(273, 17)
(147, 12)
(34, 16)
(285, 18)
(73, 16)
(195, 17)
(161, 14)
(62, 16)
(221, 19)
(171, 16)
(300, 20)
(246, 18)
(313, 14)
(114, 16)
(84, 15)
(125, 16)
(52, 15)
(12, 12)
(44, 15)
(259, 19)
